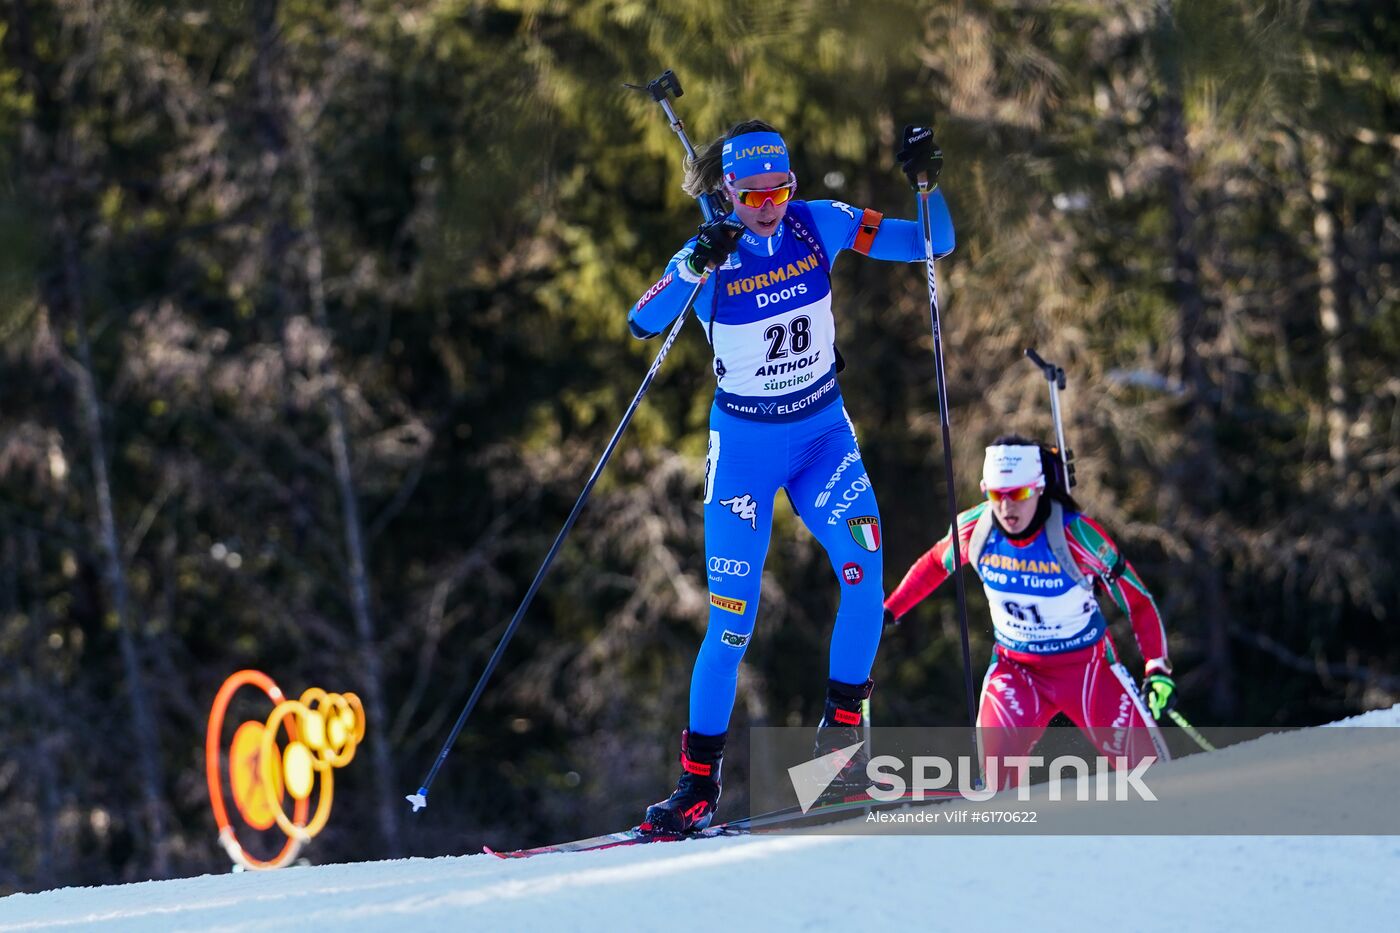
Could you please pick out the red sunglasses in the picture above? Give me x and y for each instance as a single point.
(1019, 494)
(755, 197)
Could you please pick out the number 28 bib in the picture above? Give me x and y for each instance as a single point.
(772, 330)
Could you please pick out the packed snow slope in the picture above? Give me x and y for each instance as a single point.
(827, 882)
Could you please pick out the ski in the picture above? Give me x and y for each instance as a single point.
(628, 837)
(742, 826)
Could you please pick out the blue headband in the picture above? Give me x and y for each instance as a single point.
(754, 154)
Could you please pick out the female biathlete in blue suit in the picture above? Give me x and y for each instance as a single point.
(777, 421)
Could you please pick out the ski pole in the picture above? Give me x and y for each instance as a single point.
(1190, 730)
(1055, 376)
(420, 799)
(924, 190)
(659, 89)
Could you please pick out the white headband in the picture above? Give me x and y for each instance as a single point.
(1010, 467)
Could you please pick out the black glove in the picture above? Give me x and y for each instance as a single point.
(713, 244)
(920, 155)
(890, 619)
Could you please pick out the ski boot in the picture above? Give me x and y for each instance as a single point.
(843, 725)
(692, 806)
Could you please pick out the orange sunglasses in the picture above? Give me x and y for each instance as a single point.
(754, 197)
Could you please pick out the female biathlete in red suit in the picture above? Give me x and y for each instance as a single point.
(1040, 560)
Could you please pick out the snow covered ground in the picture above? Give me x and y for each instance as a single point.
(846, 883)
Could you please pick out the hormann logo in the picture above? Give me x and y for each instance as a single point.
(772, 277)
(1020, 564)
(736, 606)
(749, 152)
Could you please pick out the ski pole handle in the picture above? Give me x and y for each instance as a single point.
(1052, 372)
(660, 89)
(1055, 375)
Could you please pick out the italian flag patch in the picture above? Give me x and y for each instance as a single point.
(866, 531)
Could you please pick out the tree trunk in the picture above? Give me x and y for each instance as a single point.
(274, 88)
(339, 438)
(43, 696)
(1331, 307)
(1198, 478)
(146, 738)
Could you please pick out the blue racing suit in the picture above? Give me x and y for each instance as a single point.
(778, 421)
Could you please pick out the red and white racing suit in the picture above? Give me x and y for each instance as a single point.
(1053, 652)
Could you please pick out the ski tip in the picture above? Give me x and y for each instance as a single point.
(487, 850)
(418, 800)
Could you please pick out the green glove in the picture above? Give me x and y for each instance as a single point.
(1160, 692)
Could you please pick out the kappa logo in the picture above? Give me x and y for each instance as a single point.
(744, 507)
(734, 639)
(726, 567)
(866, 531)
(853, 573)
(736, 606)
(711, 465)
(844, 208)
